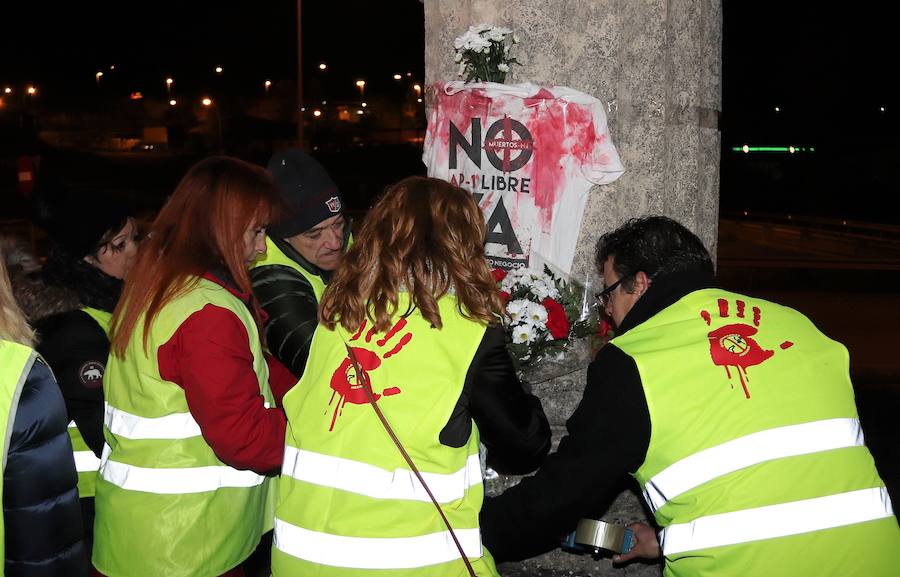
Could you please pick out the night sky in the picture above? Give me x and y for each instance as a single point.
(62, 45)
(829, 71)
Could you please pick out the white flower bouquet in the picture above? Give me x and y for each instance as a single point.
(483, 53)
(544, 315)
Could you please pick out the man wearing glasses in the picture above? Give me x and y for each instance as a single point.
(302, 251)
(735, 415)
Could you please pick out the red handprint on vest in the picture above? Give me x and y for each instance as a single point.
(733, 345)
(347, 385)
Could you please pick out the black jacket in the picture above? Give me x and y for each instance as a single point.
(292, 311)
(76, 348)
(41, 512)
(608, 436)
(512, 423)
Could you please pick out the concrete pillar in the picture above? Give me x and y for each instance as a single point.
(658, 66)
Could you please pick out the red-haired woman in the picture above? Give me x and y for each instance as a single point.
(410, 325)
(190, 419)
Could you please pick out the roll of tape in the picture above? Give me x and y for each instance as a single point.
(600, 535)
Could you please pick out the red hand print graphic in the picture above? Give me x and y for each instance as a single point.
(733, 345)
(347, 385)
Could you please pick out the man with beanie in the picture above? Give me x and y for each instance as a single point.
(302, 250)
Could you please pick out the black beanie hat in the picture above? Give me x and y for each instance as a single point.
(78, 223)
(309, 193)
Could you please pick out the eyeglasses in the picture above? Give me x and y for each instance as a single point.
(604, 295)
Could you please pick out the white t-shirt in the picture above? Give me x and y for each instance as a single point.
(529, 155)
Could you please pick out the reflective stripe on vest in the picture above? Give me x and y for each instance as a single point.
(777, 520)
(371, 481)
(177, 481)
(85, 461)
(375, 553)
(175, 426)
(748, 450)
(167, 481)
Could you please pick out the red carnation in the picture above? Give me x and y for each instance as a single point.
(604, 328)
(557, 321)
(504, 296)
(499, 274)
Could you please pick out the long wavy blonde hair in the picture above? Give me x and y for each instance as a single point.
(426, 237)
(13, 324)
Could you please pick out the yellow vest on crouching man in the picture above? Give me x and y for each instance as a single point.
(348, 503)
(756, 463)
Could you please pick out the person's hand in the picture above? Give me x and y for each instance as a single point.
(645, 546)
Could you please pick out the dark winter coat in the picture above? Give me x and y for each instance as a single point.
(41, 512)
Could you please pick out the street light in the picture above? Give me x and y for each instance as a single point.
(219, 70)
(322, 66)
(267, 84)
(169, 82)
(397, 76)
(362, 89)
(98, 76)
(173, 102)
(31, 91)
(7, 90)
(207, 102)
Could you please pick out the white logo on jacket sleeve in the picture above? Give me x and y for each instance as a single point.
(91, 374)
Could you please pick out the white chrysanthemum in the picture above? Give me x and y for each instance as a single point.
(516, 310)
(497, 34)
(512, 278)
(539, 288)
(470, 41)
(503, 67)
(523, 333)
(544, 290)
(535, 276)
(536, 314)
(475, 42)
(457, 57)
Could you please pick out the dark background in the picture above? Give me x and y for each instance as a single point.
(828, 70)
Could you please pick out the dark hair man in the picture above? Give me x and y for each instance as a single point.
(735, 415)
(302, 250)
